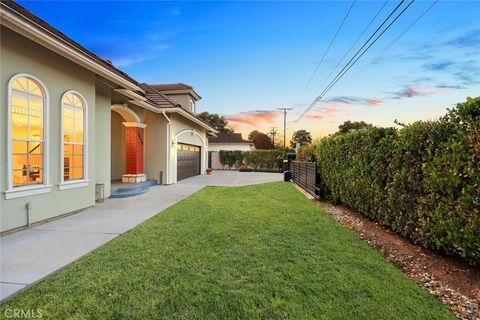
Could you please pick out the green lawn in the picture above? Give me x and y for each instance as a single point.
(261, 251)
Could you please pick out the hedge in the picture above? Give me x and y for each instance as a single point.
(423, 180)
(256, 159)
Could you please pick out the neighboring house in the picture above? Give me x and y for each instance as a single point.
(71, 121)
(227, 142)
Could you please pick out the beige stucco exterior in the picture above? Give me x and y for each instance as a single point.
(19, 55)
(109, 110)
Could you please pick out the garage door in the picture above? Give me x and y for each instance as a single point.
(188, 161)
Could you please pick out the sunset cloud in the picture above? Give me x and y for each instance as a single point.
(325, 113)
(253, 119)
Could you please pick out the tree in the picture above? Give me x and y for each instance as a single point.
(303, 137)
(252, 135)
(349, 126)
(215, 120)
(260, 140)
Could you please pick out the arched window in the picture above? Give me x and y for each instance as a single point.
(28, 106)
(74, 137)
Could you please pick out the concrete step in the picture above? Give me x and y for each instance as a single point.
(132, 189)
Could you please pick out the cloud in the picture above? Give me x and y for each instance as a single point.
(414, 90)
(470, 39)
(325, 113)
(438, 66)
(373, 102)
(254, 118)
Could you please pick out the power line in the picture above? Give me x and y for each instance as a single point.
(329, 46)
(390, 45)
(355, 58)
(355, 42)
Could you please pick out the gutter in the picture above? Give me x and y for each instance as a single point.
(167, 162)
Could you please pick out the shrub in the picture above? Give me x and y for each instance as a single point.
(265, 159)
(422, 180)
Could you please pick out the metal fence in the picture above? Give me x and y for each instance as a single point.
(304, 174)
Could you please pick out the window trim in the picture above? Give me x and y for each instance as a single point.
(45, 186)
(78, 183)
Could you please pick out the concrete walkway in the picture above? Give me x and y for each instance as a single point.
(30, 255)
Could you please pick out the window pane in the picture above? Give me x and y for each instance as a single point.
(68, 161)
(78, 149)
(20, 178)
(67, 173)
(68, 111)
(19, 99)
(79, 136)
(34, 88)
(67, 129)
(35, 161)
(79, 115)
(20, 162)
(68, 149)
(36, 176)
(68, 99)
(35, 148)
(78, 173)
(19, 147)
(19, 131)
(20, 84)
(78, 161)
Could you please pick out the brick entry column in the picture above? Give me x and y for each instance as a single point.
(134, 137)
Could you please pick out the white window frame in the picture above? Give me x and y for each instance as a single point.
(28, 190)
(78, 183)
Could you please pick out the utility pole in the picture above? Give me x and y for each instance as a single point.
(273, 132)
(285, 110)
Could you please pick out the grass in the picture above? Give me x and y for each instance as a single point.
(261, 251)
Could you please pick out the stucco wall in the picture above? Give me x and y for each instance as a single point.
(19, 55)
(102, 136)
(156, 146)
(117, 146)
(183, 100)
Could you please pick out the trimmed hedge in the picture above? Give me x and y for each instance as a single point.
(423, 180)
(256, 159)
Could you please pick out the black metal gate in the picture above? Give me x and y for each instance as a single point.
(188, 161)
(304, 174)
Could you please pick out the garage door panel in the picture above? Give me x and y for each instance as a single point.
(188, 161)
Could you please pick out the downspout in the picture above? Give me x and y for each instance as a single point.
(167, 163)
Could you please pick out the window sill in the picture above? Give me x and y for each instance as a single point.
(26, 191)
(73, 184)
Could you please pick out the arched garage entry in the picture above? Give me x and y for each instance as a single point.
(190, 154)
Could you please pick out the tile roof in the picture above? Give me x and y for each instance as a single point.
(227, 137)
(19, 10)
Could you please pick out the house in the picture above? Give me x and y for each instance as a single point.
(71, 123)
(225, 141)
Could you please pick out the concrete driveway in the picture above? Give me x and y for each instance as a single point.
(30, 255)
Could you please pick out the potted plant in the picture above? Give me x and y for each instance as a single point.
(209, 171)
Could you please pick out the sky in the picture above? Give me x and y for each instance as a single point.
(247, 59)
